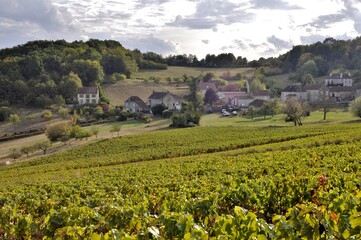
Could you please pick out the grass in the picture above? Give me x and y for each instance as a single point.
(190, 71)
(316, 117)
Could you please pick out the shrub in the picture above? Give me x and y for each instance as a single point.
(158, 109)
(167, 113)
(47, 115)
(58, 130)
(4, 114)
(179, 120)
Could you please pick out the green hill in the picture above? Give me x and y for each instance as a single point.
(199, 183)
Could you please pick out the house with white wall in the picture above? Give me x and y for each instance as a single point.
(88, 95)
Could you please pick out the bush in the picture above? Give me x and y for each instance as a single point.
(122, 116)
(58, 130)
(355, 107)
(194, 118)
(4, 114)
(179, 120)
(167, 113)
(158, 109)
(47, 115)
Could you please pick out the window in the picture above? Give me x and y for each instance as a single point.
(93, 95)
(87, 101)
(87, 96)
(94, 101)
(81, 95)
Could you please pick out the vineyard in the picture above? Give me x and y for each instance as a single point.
(200, 183)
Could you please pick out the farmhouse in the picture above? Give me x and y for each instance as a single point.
(337, 87)
(88, 95)
(166, 98)
(340, 79)
(135, 104)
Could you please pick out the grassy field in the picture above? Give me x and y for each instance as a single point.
(191, 71)
(122, 90)
(316, 118)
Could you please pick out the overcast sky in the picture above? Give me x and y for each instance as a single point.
(247, 28)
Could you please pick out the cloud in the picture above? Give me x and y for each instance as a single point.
(306, 40)
(240, 44)
(205, 41)
(40, 12)
(210, 13)
(350, 12)
(278, 43)
(273, 4)
(150, 44)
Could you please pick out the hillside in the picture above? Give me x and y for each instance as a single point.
(206, 182)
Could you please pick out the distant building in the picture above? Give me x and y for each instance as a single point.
(293, 91)
(88, 95)
(166, 98)
(339, 79)
(135, 104)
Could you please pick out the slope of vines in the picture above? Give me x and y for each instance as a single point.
(263, 184)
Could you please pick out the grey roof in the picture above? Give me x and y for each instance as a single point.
(88, 90)
(158, 95)
(342, 89)
(293, 88)
(265, 92)
(317, 86)
(257, 103)
(137, 100)
(339, 76)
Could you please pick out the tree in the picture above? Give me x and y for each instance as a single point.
(265, 109)
(27, 150)
(295, 111)
(44, 146)
(326, 105)
(355, 107)
(14, 119)
(69, 86)
(257, 85)
(4, 113)
(95, 131)
(194, 100)
(273, 106)
(210, 96)
(46, 115)
(58, 130)
(158, 109)
(307, 79)
(115, 128)
(14, 154)
(63, 112)
(208, 77)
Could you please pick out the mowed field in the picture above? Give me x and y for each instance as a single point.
(122, 90)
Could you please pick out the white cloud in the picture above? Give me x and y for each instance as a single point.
(250, 28)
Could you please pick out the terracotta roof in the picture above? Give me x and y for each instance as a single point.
(158, 95)
(88, 90)
(137, 100)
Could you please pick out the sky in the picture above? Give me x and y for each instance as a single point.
(247, 28)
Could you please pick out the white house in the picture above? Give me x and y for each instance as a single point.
(135, 104)
(88, 95)
(293, 91)
(340, 79)
(166, 98)
(243, 100)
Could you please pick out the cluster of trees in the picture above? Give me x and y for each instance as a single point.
(42, 73)
(17, 153)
